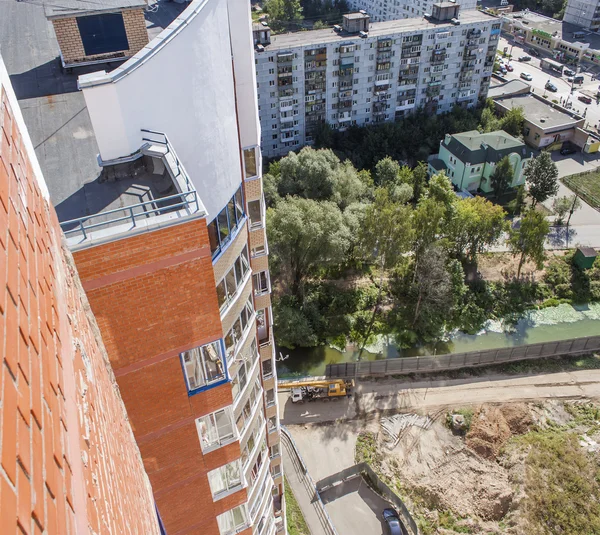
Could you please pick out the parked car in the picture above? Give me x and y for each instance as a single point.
(569, 72)
(551, 87)
(585, 99)
(502, 69)
(567, 149)
(534, 52)
(525, 58)
(526, 76)
(509, 67)
(577, 79)
(393, 524)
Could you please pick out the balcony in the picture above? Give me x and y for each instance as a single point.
(153, 173)
(286, 93)
(285, 58)
(260, 490)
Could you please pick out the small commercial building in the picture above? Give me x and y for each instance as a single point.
(547, 125)
(469, 159)
(565, 41)
(97, 32)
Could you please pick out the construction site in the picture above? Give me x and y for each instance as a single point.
(494, 455)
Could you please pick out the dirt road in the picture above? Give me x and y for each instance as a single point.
(398, 395)
(388, 394)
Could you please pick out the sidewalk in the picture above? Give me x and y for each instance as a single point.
(304, 490)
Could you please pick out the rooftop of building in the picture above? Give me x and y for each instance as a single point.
(476, 148)
(259, 26)
(555, 28)
(376, 29)
(512, 87)
(73, 8)
(57, 118)
(356, 16)
(540, 112)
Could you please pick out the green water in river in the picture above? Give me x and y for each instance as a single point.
(547, 325)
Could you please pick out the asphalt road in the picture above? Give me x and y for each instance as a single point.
(540, 77)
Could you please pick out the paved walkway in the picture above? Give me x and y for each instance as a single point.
(304, 490)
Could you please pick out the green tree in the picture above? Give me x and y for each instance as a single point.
(386, 171)
(386, 234)
(309, 173)
(567, 204)
(433, 294)
(489, 122)
(283, 11)
(441, 190)
(291, 325)
(419, 180)
(348, 185)
(477, 224)
(305, 236)
(512, 122)
(270, 189)
(319, 25)
(527, 240)
(502, 176)
(427, 222)
(541, 175)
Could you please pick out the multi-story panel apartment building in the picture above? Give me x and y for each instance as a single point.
(383, 10)
(585, 13)
(157, 181)
(344, 78)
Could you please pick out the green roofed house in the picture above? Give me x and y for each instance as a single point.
(469, 158)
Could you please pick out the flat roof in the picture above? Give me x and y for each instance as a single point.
(356, 15)
(556, 28)
(55, 111)
(539, 112)
(376, 29)
(508, 88)
(72, 8)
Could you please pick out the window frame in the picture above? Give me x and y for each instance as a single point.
(234, 206)
(256, 162)
(232, 484)
(232, 527)
(221, 441)
(198, 350)
(223, 287)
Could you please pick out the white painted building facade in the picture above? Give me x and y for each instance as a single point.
(319, 76)
(382, 10)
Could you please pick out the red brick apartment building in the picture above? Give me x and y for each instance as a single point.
(69, 461)
(155, 172)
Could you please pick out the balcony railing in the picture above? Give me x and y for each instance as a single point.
(186, 199)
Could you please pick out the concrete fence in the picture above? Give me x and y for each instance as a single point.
(363, 469)
(455, 361)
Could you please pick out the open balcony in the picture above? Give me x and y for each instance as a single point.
(148, 188)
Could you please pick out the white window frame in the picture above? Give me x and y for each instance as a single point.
(227, 522)
(227, 476)
(213, 435)
(256, 277)
(194, 364)
(230, 294)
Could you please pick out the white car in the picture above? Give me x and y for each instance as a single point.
(526, 76)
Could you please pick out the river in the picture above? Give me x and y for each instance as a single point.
(547, 325)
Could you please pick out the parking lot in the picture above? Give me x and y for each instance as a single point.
(541, 77)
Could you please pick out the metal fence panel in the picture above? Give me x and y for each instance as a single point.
(453, 361)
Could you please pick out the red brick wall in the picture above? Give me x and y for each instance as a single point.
(68, 460)
(154, 296)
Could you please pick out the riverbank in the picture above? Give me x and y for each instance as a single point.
(545, 325)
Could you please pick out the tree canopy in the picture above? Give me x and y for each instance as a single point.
(528, 238)
(541, 175)
(502, 176)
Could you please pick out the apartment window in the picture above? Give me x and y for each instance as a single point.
(229, 285)
(101, 34)
(274, 451)
(261, 282)
(233, 521)
(250, 162)
(276, 470)
(238, 383)
(225, 479)
(229, 219)
(272, 423)
(204, 366)
(238, 329)
(270, 397)
(215, 429)
(259, 249)
(267, 368)
(255, 213)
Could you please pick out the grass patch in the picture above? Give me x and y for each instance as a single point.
(587, 185)
(467, 413)
(448, 521)
(366, 451)
(296, 525)
(562, 483)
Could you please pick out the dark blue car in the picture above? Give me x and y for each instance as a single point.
(393, 524)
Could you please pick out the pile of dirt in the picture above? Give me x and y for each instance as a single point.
(492, 426)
